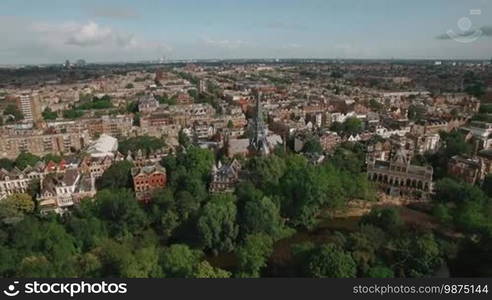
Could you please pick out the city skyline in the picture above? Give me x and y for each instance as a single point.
(118, 31)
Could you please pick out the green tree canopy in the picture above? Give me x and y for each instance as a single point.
(14, 207)
(252, 256)
(312, 145)
(180, 261)
(330, 261)
(25, 159)
(217, 224)
(205, 270)
(116, 176)
(48, 114)
(387, 218)
(72, 113)
(6, 164)
(259, 214)
(13, 110)
(120, 211)
(147, 144)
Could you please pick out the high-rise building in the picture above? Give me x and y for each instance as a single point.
(29, 106)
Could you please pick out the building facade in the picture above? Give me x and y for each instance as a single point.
(398, 177)
(147, 179)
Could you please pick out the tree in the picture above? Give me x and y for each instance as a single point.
(349, 157)
(72, 113)
(48, 114)
(163, 212)
(184, 139)
(380, 272)
(88, 265)
(35, 267)
(120, 211)
(305, 189)
(353, 126)
(52, 157)
(364, 245)
(266, 171)
(312, 145)
(147, 265)
(148, 144)
(330, 261)
(193, 93)
(337, 127)
(197, 160)
(96, 103)
(455, 144)
(6, 164)
(13, 110)
(117, 259)
(116, 176)
(25, 159)
(464, 204)
(451, 191)
(136, 119)
(47, 238)
(375, 105)
(179, 261)
(252, 256)
(205, 270)
(384, 218)
(8, 262)
(14, 207)
(132, 107)
(476, 89)
(417, 255)
(217, 224)
(88, 230)
(442, 212)
(261, 215)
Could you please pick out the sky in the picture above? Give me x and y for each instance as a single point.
(51, 31)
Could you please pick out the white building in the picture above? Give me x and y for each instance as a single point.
(105, 145)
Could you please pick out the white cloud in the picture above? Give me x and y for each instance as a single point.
(91, 34)
(85, 35)
(47, 42)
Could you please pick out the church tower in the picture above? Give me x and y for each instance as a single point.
(258, 143)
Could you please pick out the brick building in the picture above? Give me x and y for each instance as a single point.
(399, 177)
(147, 179)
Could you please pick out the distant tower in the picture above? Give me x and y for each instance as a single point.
(259, 143)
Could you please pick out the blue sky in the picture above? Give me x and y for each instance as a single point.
(50, 31)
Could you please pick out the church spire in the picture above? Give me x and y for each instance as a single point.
(258, 142)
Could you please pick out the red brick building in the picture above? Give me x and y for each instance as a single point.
(147, 179)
